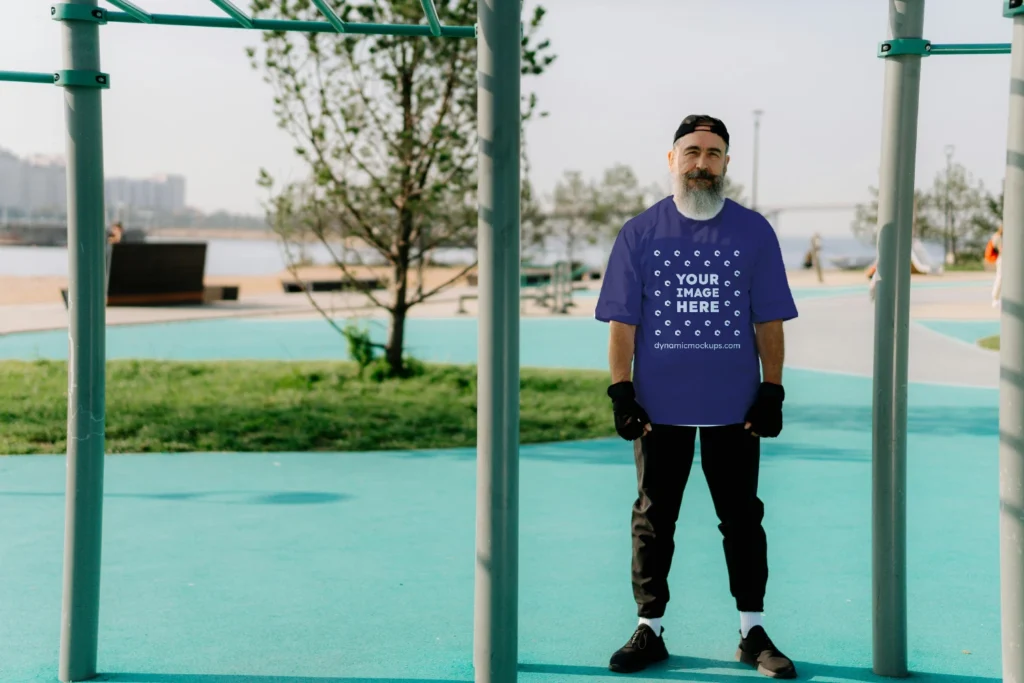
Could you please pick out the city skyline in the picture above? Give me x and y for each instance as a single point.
(37, 183)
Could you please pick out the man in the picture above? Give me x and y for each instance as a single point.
(695, 295)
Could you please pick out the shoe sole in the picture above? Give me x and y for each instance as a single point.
(744, 658)
(623, 670)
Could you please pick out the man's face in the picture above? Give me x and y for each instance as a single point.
(700, 158)
(698, 163)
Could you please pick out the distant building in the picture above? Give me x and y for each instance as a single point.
(38, 184)
(161, 193)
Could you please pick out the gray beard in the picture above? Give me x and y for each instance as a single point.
(698, 203)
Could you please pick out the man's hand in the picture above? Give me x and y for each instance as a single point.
(631, 421)
(764, 418)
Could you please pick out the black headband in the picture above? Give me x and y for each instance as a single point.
(701, 121)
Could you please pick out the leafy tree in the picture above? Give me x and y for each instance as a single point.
(587, 211)
(865, 221)
(956, 212)
(387, 126)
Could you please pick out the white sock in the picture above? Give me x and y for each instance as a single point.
(749, 620)
(655, 624)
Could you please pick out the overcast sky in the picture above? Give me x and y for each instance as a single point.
(627, 72)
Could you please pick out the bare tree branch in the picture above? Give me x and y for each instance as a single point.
(446, 283)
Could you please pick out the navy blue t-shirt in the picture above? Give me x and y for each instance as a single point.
(694, 289)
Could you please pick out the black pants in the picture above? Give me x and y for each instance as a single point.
(730, 457)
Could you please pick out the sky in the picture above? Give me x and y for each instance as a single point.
(186, 100)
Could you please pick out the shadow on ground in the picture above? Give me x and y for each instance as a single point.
(243, 678)
(698, 670)
(215, 497)
(691, 669)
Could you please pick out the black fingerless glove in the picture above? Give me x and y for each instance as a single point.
(630, 418)
(765, 415)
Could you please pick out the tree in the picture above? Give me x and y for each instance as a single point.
(387, 127)
(865, 221)
(956, 212)
(574, 212)
(586, 211)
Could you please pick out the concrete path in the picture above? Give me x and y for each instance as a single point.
(837, 335)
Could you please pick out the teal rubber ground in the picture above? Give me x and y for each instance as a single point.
(358, 568)
(965, 330)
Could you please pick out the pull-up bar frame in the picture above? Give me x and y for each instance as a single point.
(903, 53)
(498, 32)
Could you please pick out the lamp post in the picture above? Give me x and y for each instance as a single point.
(950, 256)
(757, 149)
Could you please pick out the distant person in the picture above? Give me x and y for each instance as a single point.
(997, 251)
(695, 294)
(115, 234)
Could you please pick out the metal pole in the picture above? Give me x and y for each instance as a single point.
(949, 206)
(892, 313)
(757, 152)
(495, 651)
(86, 362)
(1011, 378)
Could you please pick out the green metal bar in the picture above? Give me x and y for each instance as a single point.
(331, 15)
(238, 15)
(26, 77)
(303, 26)
(83, 526)
(140, 14)
(971, 49)
(431, 12)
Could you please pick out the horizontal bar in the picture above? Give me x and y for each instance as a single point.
(133, 10)
(970, 49)
(431, 12)
(235, 13)
(303, 26)
(26, 77)
(331, 15)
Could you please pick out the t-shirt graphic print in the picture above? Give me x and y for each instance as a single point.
(702, 296)
(695, 289)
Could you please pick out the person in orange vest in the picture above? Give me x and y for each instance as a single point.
(994, 251)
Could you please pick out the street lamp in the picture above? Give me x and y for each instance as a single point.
(950, 256)
(757, 148)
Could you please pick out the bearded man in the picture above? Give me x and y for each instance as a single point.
(695, 295)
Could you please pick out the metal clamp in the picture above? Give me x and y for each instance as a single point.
(1012, 8)
(81, 78)
(68, 12)
(905, 46)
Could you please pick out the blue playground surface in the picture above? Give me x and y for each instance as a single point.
(970, 331)
(359, 567)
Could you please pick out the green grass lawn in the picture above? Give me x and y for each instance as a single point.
(280, 406)
(990, 342)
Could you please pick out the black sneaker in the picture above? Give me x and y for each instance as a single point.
(758, 650)
(643, 649)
